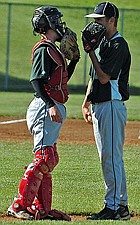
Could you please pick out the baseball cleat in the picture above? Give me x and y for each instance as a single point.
(20, 215)
(108, 214)
(123, 211)
(105, 214)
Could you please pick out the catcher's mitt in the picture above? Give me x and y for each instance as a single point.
(69, 46)
(92, 35)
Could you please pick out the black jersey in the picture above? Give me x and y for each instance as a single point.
(115, 60)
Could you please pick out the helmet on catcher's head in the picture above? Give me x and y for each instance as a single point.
(48, 17)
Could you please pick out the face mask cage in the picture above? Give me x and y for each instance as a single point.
(59, 27)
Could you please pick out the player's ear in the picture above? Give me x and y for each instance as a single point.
(112, 20)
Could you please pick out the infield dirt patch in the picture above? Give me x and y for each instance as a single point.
(73, 131)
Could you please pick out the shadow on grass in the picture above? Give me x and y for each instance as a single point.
(22, 85)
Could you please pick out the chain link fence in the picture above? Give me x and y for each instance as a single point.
(17, 40)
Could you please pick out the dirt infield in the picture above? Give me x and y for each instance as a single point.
(73, 218)
(73, 131)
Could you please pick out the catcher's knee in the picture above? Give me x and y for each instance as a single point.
(43, 168)
(48, 159)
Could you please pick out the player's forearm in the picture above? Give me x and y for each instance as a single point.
(85, 106)
(38, 86)
(86, 103)
(71, 67)
(103, 77)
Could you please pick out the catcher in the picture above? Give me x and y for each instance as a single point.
(107, 90)
(46, 113)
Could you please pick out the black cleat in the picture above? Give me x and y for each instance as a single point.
(123, 211)
(105, 214)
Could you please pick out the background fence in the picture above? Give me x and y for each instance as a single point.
(16, 42)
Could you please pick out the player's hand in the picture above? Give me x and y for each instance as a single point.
(86, 114)
(55, 114)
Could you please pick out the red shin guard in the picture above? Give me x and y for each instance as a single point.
(35, 189)
(43, 201)
(28, 188)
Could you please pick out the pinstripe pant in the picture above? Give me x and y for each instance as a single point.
(44, 130)
(109, 120)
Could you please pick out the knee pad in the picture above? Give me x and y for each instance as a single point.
(46, 159)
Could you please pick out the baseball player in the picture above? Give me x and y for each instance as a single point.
(107, 90)
(45, 116)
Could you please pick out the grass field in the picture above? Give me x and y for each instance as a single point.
(89, 3)
(78, 186)
(22, 40)
(15, 104)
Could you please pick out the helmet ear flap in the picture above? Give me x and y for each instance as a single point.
(39, 23)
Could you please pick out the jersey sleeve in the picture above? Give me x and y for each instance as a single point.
(112, 63)
(43, 66)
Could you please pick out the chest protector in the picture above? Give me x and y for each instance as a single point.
(56, 87)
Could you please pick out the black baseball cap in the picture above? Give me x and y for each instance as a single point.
(105, 9)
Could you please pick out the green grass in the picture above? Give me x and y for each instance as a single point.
(15, 104)
(89, 3)
(22, 39)
(133, 108)
(78, 186)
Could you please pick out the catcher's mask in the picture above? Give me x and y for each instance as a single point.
(47, 17)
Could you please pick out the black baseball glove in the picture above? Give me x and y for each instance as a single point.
(92, 35)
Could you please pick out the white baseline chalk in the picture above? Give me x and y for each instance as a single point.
(13, 121)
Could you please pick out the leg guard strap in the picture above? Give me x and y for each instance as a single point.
(56, 154)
